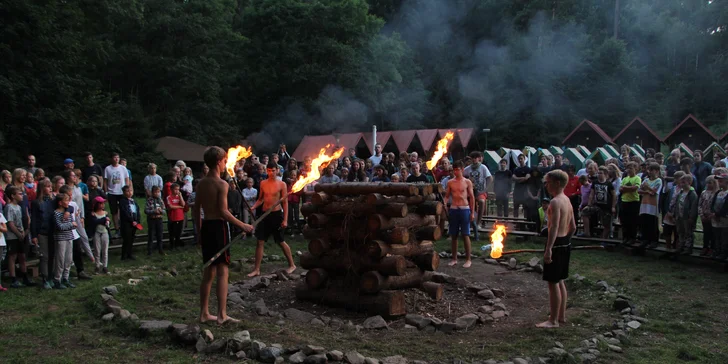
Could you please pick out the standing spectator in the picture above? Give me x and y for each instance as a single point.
(250, 195)
(122, 161)
(615, 176)
(128, 221)
(705, 213)
(294, 204)
(701, 170)
(235, 204)
(277, 159)
(38, 176)
(404, 174)
(240, 178)
(31, 164)
(3, 244)
(685, 211)
(264, 159)
(669, 230)
(91, 169)
(16, 236)
(357, 173)
(283, 155)
(572, 189)
(558, 163)
(68, 164)
(502, 188)
(175, 215)
(6, 180)
(345, 175)
(41, 213)
(602, 203)
(416, 176)
(63, 228)
(630, 209)
(442, 170)
(377, 157)
(152, 179)
(583, 171)
(380, 174)
(534, 192)
(480, 177)
(719, 208)
(649, 206)
(585, 187)
(389, 164)
(520, 189)
(346, 163)
(686, 166)
(30, 186)
(98, 224)
(352, 155)
(329, 176)
(94, 190)
(413, 157)
(368, 166)
(154, 209)
(80, 241)
(18, 182)
(116, 177)
(291, 166)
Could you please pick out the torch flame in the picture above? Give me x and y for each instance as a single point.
(496, 240)
(235, 154)
(441, 149)
(318, 162)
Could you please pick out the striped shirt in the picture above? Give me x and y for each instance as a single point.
(64, 228)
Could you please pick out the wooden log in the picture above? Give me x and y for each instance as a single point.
(428, 208)
(379, 199)
(425, 189)
(359, 209)
(381, 222)
(430, 232)
(308, 208)
(428, 261)
(318, 246)
(377, 249)
(434, 290)
(318, 220)
(362, 188)
(320, 198)
(438, 188)
(356, 233)
(386, 303)
(372, 281)
(342, 262)
(316, 278)
(398, 235)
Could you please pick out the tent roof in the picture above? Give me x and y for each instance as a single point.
(311, 144)
(403, 138)
(685, 149)
(382, 138)
(556, 150)
(179, 149)
(638, 148)
(463, 133)
(588, 124)
(712, 147)
(696, 121)
(637, 122)
(427, 137)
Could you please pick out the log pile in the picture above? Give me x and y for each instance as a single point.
(370, 241)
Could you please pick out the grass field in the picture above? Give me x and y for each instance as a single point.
(686, 306)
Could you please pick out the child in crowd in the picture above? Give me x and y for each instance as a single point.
(630, 210)
(395, 177)
(502, 187)
(294, 204)
(16, 236)
(250, 195)
(669, 230)
(154, 209)
(191, 204)
(572, 189)
(706, 198)
(719, 209)
(649, 207)
(63, 234)
(602, 203)
(3, 231)
(175, 216)
(187, 180)
(685, 211)
(543, 217)
(80, 242)
(585, 191)
(129, 221)
(30, 186)
(98, 223)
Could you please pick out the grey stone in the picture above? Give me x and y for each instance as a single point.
(313, 350)
(240, 355)
(112, 290)
(269, 354)
(188, 335)
(485, 309)
(148, 327)
(274, 258)
(125, 315)
(447, 327)
(297, 358)
(558, 344)
(316, 359)
(108, 317)
(587, 358)
(602, 285)
(209, 337)
(396, 359)
(325, 319)
(105, 297)
(533, 262)
(371, 361)
(260, 307)
(336, 324)
(594, 352)
(520, 361)
(134, 317)
(491, 261)
(486, 294)
(626, 311)
(438, 277)
(639, 319)
(466, 321)
(241, 340)
(418, 362)
(634, 325)
(538, 268)
(174, 328)
(615, 348)
(255, 348)
(623, 296)
(499, 307)
(490, 361)
(621, 304)
(298, 315)
(280, 322)
(317, 322)
(498, 292)
(462, 282)
(611, 341)
(430, 329)
(375, 323)
(353, 357)
(477, 287)
(282, 275)
(335, 355)
(410, 327)
(217, 346)
(235, 299)
(200, 345)
(484, 318)
(418, 321)
(512, 263)
(557, 353)
(498, 314)
(436, 321)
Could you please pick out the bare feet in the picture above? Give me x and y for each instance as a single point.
(548, 325)
(253, 274)
(291, 269)
(467, 264)
(207, 317)
(563, 321)
(227, 320)
(452, 263)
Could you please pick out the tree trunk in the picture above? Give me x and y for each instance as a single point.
(318, 246)
(381, 222)
(363, 188)
(316, 278)
(428, 261)
(434, 290)
(341, 262)
(372, 281)
(308, 208)
(359, 209)
(431, 232)
(428, 208)
(377, 249)
(318, 220)
(386, 303)
(379, 199)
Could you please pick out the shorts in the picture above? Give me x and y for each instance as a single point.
(604, 216)
(214, 236)
(16, 246)
(459, 222)
(558, 269)
(482, 196)
(114, 201)
(271, 225)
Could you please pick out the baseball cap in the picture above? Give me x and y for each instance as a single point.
(99, 199)
(67, 161)
(721, 176)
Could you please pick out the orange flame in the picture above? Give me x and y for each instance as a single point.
(496, 240)
(322, 160)
(235, 154)
(441, 149)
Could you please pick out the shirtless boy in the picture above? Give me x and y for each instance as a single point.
(558, 247)
(214, 233)
(272, 190)
(462, 212)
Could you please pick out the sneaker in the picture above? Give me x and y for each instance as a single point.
(16, 284)
(58, 285)
(47, 285)
(3, 289)
(28, 282)
(97, 271)
(84, 276)
(117, 235)
(68, 283)
(105, 270)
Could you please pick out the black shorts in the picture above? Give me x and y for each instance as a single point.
(214, 235)
(558, 269)
(271, 225)
(114, 202)
(17, 246)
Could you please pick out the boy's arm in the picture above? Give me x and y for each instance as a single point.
(447, 191)
(126, 209)
(62, 225)
(471, 199)
(13, 229)
(284, 204)
(591, 196)
(259, 201)
(225, 213)
(554, 215)
(149, 207)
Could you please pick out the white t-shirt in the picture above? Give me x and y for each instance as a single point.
(151, 181)
(376, 160)
(117, 178)
(478, 177)
(2, 236)
(75, 217)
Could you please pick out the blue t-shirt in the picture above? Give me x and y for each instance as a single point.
(83, 187)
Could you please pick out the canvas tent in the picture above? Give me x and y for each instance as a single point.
(639, 149)
(637, 154)
(575, 158)
(502, 151)
(685, 150)
(611, 150)
(174, 149)
(583, 150)
(491, 159)
(710, 151)
(556, 150)
(599, 155)
(512, 157)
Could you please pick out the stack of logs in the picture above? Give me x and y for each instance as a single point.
(369, 241)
